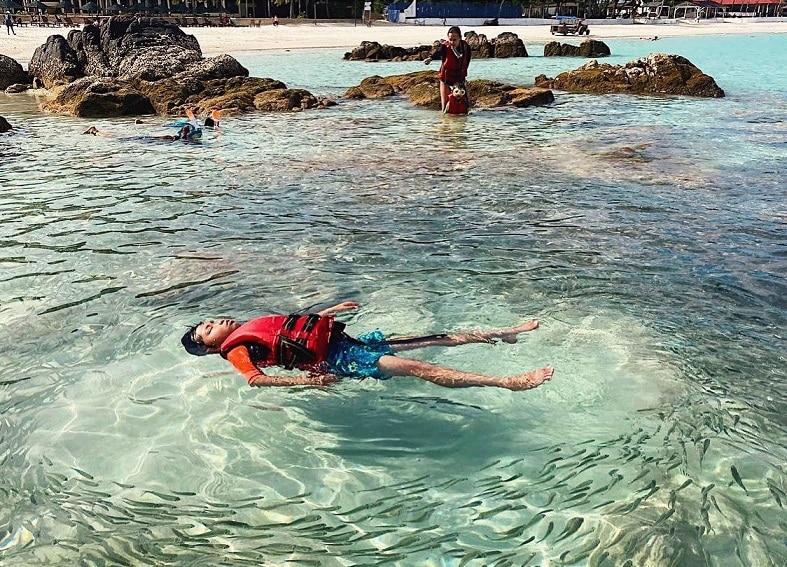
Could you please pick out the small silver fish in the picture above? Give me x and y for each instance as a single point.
(737, 478)
(571, 526)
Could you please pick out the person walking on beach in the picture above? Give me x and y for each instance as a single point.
(455, 56)
(9, 23)
(317, 344)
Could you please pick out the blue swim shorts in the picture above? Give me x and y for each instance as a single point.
(358, 358)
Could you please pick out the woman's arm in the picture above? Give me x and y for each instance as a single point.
(436, 54)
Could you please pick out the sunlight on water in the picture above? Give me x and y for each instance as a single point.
(645, 234)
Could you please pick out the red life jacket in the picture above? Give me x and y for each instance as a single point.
(287, 340)
(457, 104)
(453, 68)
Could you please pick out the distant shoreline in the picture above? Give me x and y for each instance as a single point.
(215, 41)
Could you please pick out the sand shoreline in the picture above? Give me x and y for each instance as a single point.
(215, 41)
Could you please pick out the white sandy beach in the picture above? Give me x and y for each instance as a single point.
(215, 41)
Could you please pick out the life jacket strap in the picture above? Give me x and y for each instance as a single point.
(292, 351)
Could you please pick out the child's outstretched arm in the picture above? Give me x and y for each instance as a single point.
(304, 380)
(240, 359)
(343, 306)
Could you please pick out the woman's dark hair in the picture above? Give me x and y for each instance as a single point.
(456, 30)
(191, 344)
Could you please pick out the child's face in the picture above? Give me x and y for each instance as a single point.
(213, 333)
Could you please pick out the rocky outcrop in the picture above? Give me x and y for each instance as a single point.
(18, 88)
(504, 45)
(91, 97)
(588, 48)
(122, 46)
(128, 65)
(100, 98)
(373, 51)
(55, 63)
(422, 88)
(658, 73)
(91, 58)
(4, 125)
(11, 72)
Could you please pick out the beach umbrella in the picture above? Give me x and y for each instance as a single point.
(10, 5)
(90, 7)
(200, 9)
(65, 5)
(116, 8)
(40, 6)
(139, 7)
(179, 8)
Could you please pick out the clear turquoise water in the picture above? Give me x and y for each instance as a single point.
(646, 234)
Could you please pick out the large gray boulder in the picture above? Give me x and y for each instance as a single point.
(508, 44)
(147, 48)
(121, 46)
(91, 58)
(128, 65)
(588, 48)
(55, 63)
(11, 73)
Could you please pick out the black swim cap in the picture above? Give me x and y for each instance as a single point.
(191, 345)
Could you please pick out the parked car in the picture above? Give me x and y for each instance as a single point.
(565, 25)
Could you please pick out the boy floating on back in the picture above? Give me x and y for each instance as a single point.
(317, 344)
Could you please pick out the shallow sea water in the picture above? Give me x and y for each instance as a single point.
(647, 235)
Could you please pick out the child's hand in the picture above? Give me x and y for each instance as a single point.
(346, 306)
(324, 379)
(343, 306)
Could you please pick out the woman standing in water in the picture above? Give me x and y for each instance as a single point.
(455, 56)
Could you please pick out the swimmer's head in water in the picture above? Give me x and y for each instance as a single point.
(189, 132)
(192, 344)
(206, 337)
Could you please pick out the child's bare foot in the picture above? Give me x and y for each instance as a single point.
(510, 335)
(528, 380)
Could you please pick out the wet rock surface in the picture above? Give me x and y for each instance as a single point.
(422, 88)
(658, 73)
(11, 72)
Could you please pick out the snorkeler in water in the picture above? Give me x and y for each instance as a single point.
(187, 134)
